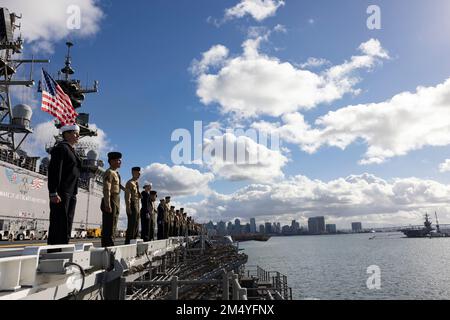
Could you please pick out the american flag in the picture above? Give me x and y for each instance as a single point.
(37, 184)
(56, 102)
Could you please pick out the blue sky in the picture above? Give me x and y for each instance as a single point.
(142, 51)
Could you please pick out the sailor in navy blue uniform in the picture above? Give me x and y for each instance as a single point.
(145, 213)
(160, 218)
(63, 173)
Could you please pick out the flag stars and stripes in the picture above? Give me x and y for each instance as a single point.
(56, 102)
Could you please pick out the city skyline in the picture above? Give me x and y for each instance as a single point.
(296, 225)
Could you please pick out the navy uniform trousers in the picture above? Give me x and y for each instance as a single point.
(61, 219)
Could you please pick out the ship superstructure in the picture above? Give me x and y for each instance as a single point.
(23, 177)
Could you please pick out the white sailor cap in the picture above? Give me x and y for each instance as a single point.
(73, 127)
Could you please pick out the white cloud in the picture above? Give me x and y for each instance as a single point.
(45, 21)
(407, 122)
(364, 197)
(314, 63)
(255, 84)
(445, 167)
(294, 130)
(258, 9)
(176, 180)
(280, 28)
(45, 132)
(212, 58)
(241, 158)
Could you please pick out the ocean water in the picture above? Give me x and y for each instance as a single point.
(336, 267)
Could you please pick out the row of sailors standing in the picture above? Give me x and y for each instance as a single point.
(156, 222)
(64, 171)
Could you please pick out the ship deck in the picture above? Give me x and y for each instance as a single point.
(187, 268)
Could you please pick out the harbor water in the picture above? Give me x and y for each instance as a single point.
(335, 267)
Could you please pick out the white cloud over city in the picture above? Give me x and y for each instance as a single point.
(378, 201)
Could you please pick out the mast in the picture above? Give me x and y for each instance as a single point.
(437, 223)
(76, 93)
(427, 223)
(12, 120)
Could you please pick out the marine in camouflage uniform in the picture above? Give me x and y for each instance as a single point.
(132, 202)
(111, 199)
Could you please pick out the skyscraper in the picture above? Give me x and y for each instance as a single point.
(262, 229)
(237, 226)
(268, 228)
(331, 228)
(356, 226)
(230, 228)
(252, 225)
(316, 225)
(221, 228)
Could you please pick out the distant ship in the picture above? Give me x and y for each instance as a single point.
(425, 232)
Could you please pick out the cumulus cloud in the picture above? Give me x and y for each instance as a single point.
(176, 180)
(398, 201)
(258, 9)
(44, 135)
(239, 158)
(254, 84)
(445, 167)
(409, 121)
(46, 21)
(213, 57)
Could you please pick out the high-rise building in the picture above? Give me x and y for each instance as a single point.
(286, 230)
(295, 226)
(221, 228)
(262, 229)
(331, 228)
(230, 228)
(237, 226)
(316, 225)
(356, 226)
(252, 225)
(209, 225)
(268, 228)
